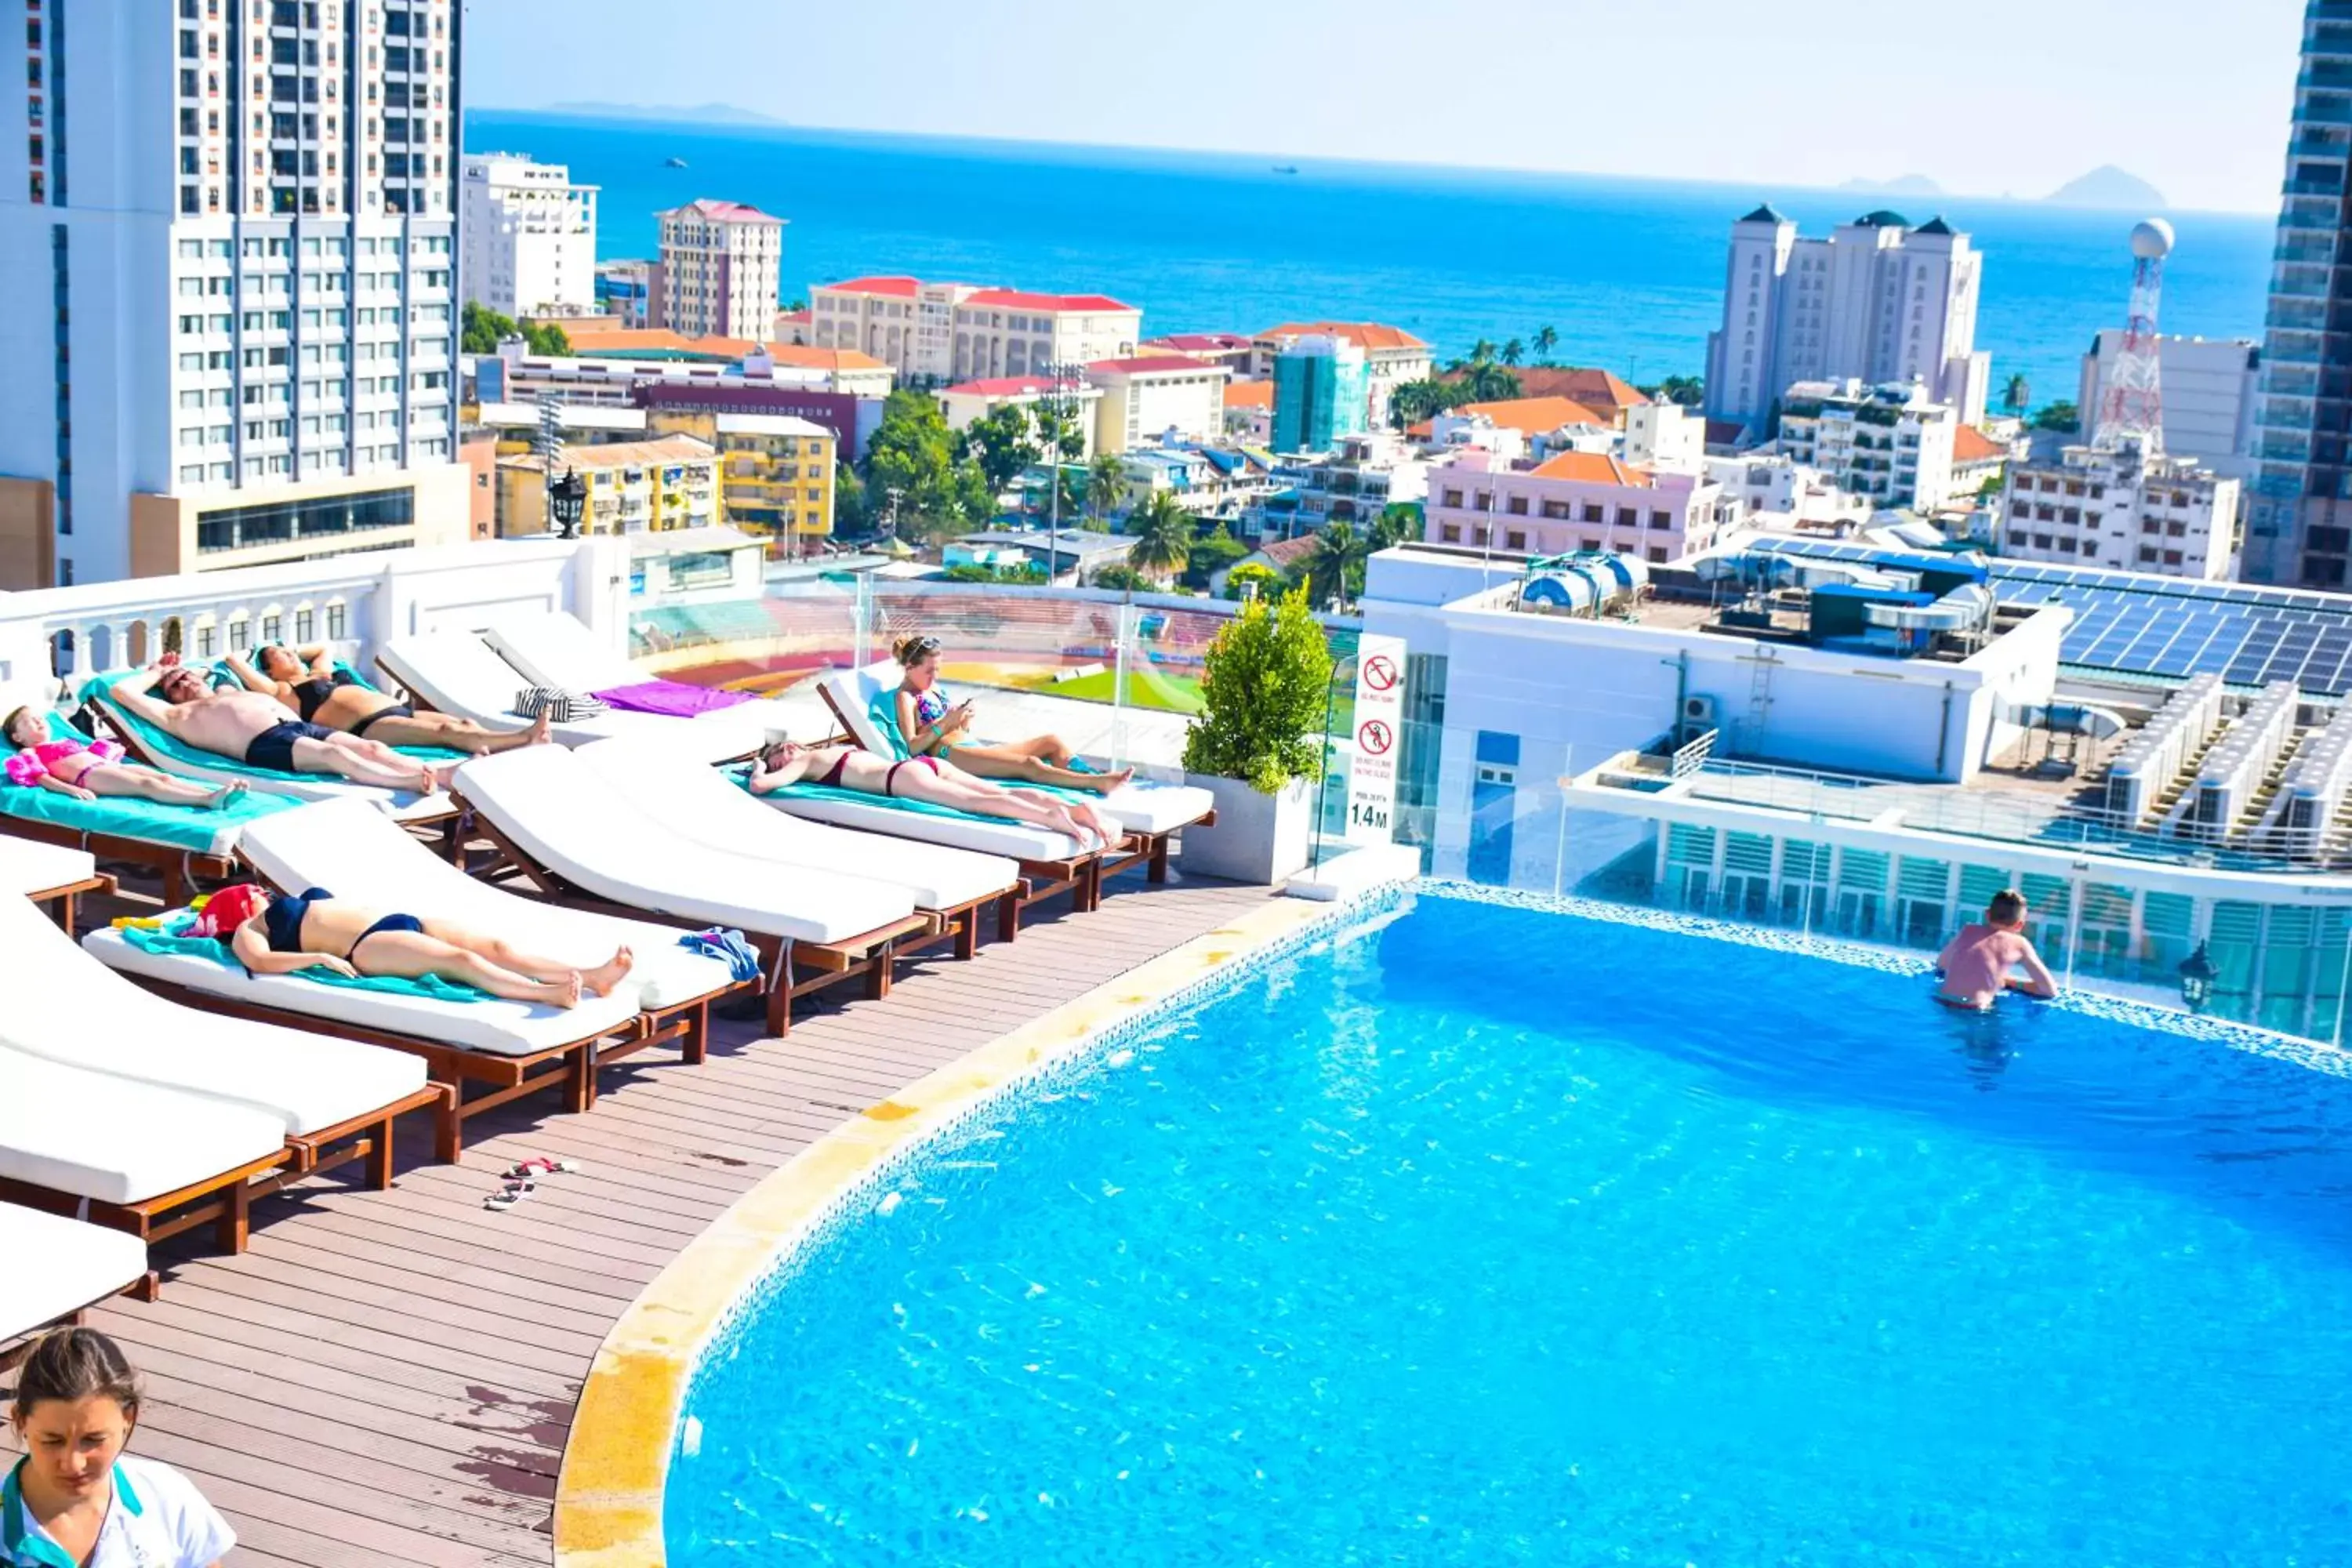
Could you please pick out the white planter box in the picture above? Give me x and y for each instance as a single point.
(1260, 838)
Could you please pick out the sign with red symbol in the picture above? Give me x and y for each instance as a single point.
(1380, 723)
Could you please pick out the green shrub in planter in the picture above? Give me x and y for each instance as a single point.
(1264, 688)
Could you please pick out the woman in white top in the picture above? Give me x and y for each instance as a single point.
(75, 1499)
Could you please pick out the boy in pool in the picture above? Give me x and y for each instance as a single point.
(1974, 965)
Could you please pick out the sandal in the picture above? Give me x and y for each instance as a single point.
(513, 1194)
(540, 1165)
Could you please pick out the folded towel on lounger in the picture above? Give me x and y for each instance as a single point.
(170, 939)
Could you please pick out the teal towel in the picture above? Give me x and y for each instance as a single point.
(431, 986)
(172, 749)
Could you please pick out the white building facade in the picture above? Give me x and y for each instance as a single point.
(2209, 397)
(1152, 398)
(935, 333)
(1890, 445)
(721, 271)
(528, 236)
(2126, 510)
(1876, 302)
(230, 329)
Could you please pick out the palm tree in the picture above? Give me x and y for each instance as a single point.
(2018, 397)
(1487, 381)
(1547, 340)
(1482, 351)
(1513, 352)
(1337, 561)
(1163, 537)
(1106, 479)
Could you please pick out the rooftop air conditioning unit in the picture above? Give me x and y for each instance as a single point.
(1698, 715)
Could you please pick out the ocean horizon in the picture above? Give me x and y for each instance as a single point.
(1628, 271)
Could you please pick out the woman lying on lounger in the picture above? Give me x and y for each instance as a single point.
(934, 726)
(272, 935)
(926, 778)
(306, 681)
(50, 756)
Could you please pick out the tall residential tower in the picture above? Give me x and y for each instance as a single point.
(228, 324)
(1877, 301)
(2299, 526)
(528, 236)
(721, 271)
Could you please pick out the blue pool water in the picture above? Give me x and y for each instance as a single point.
(1483, 1235)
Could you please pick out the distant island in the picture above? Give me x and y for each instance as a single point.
(1901, 186)
(2108, 186)
(673, 114)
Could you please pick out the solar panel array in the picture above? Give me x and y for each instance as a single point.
(2164, 627)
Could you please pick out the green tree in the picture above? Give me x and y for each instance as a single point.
(1264, 686)
(1484, 381)
(2058, 416)
(1410, 402)
(547, 337)
(1029, 575)
(1164, 533)
(2016, 396)
(1211, 552)
(479, 328)
(1513, 352)
(1482, 351)
(1105, 486)
(1335, 567)
(1685, 390)
(852, 517)
(1546, 341)
(1004, 442)
(1399, 522)
(911, 461)
(1239, 581)
(1123, 578)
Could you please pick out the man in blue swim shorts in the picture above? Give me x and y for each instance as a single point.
(251, 727)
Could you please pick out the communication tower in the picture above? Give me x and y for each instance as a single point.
(2132, 403)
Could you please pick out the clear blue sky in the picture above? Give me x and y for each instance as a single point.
(1995, 96)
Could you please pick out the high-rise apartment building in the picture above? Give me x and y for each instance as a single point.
(528, 236)
(1877, 301)
(721, 271)
(1321, 394)
(2299, 523)
(229, 325)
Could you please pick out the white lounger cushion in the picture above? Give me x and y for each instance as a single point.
(28, 865)
(403, 806)
(61, 1266)
(712, 809)
(115, 1141)
(458, 673)
(563, 813)
(552, 649)
(1138, 807)
(357, 854)
(71, 1008)
(981, 835)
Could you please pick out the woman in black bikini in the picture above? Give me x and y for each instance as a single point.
(925, 779)
(307, 680)
(287, 935)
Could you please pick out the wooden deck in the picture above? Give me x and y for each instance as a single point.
(388, 1378)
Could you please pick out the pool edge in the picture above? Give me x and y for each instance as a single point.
(609, 1492)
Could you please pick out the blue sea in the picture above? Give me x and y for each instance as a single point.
(1490, 1235)
(1628, 272)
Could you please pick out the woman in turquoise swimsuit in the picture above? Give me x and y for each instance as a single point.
(932, 727)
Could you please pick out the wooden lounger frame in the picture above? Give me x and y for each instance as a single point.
(872, 954)
(65, 894)
(180, 869)
(226, 1201)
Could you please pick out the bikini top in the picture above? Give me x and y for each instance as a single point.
(931, 705)
(29, 766)
(311, 695)
(284, 918)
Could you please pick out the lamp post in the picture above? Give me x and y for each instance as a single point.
(567, 498)
(2197, 976)
(1066, 375)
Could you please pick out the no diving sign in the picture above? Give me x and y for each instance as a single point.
(1379, 724)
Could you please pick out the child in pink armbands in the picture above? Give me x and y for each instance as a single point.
(85, 770)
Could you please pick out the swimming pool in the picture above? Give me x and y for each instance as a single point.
(1485, 1234)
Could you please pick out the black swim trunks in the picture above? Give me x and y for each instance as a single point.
(274, 747)
(397, 711)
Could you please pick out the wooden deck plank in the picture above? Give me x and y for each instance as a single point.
(388, 1378)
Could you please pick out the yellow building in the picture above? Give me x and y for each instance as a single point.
(777, 472)
(634, 487)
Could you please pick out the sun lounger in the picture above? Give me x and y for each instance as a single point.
(458, 673)
(153, 1162)
(559, 820)
(333, 1101)
(711, 809)
(862, 701)
(552, 649)
(508, 1051)
(170, 754)
(181, 843)
(65, 1267)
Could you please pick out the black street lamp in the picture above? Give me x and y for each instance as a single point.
(567, 498)
(2197, 976)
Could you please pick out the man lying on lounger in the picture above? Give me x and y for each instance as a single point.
(253, 728)
(306, 681)
(926, 778)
